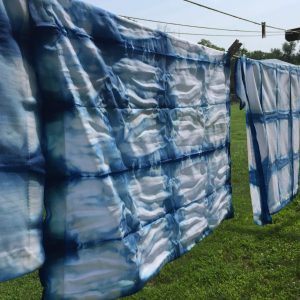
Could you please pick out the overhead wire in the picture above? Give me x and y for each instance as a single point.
(194, 26)
(233, 16)
(270, 33)
(219, 35)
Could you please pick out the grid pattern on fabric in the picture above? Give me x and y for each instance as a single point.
(270, 90)
(136, 140)
(21, 160)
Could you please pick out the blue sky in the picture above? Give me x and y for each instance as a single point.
(279, 13)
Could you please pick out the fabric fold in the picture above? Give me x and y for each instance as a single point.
(123, 131)
(21, 159)
(270, 91)
(137, 148)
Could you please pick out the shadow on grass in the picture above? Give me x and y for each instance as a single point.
(268, 231)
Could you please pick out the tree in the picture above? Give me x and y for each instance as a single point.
(257, 54)
(287, 53)
(289, 50)
(209, 44)
(276, 53)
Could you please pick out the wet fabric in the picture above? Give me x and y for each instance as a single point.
(270, 90)
(135, 135)
(21, 160)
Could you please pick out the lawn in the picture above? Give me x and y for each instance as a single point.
(239, 260)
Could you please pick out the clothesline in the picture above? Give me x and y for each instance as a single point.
(233, 16)
(192, 26)
(214, 28)
(221, 35)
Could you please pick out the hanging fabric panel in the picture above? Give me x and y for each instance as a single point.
(135, 131)
(21, 160)
(137, 148)
(270, 91)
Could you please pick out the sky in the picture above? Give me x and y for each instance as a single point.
(278, 13)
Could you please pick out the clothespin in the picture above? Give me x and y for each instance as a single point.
(292, 34)
(263, 29)
(234, 48)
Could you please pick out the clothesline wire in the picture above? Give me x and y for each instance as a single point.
(224, 35)
(233, 16)
(193, 26)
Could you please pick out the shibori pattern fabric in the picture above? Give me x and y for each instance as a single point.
(21, 160)
(137, 148)
(270, 89)
(135, 131)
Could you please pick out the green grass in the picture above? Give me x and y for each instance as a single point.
(239, 260)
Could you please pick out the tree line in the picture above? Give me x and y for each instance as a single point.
(287, 53)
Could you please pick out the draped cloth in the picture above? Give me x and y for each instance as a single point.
(135, 135)
(21, 159)
(270, 90)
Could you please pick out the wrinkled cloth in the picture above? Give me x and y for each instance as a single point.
(21, 159)
(270, 90)
(135, 135)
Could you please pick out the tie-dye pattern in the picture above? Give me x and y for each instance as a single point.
(270, 89)
(21, 160)
(136, 142)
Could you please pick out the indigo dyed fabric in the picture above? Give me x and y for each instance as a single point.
(137, 148)
(136, 143)
(135, 135)
(270, 89)
(21, 160)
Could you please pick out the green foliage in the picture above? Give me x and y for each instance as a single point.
(239, 260)
(289, 48)
(287, 53)
(209, 44)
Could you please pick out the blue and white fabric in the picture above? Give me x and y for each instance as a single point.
(270, 90)
(135, 131)
(137, 148)
(21, 159)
